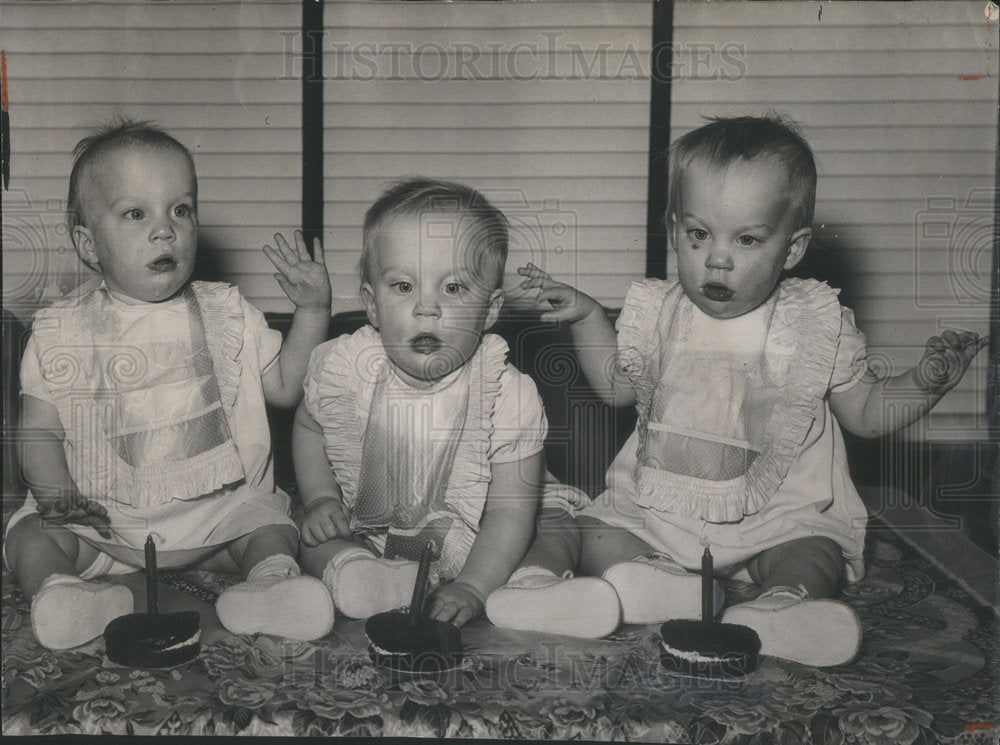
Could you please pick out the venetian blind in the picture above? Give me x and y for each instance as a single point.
(215, 75)
(544, 106)
(899, 101)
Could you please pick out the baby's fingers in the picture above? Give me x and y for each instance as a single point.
(535, 276)
(317, 254)
(442, 609)
(277, 256)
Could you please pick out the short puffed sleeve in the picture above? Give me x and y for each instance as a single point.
(32, 383)
(267, 340)
(851, 363)
(519, 423)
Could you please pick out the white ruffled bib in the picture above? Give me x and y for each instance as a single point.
(718, 429)
(147, 429)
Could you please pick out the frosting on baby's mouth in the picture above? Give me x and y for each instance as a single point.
(716, 291)
(425, 344)
(162, 264)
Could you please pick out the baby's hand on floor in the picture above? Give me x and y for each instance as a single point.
(568, 303)
(455, 602)
(74, 509)
(303, 278)
(325, 519)
(946, 358)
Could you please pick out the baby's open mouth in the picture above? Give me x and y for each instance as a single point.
(162, 264)
(425, 344)
(716, 291)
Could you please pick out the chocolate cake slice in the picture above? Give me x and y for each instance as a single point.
(410, 643)
(710, 650)
(153, 639)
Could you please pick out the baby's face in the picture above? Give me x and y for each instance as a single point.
(734, 233)
(141, 228)
(429, 305)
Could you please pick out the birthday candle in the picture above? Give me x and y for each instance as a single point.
(707, 588)
(151, 576)
(420, 586)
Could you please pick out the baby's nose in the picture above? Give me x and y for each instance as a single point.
(718, 259)
(426, 306)
(163, 230)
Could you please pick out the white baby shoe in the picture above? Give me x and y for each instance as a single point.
(535, 599)
(653, 588)
(277, 599)
(363, 584)
(68, 611)
(791, 626)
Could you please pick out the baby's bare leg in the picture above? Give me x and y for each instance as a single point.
(37, 549)
(314, 559)
(604, 545)
(265, 541)
(556, 546)
(814, 563)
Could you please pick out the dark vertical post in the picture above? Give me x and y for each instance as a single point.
(659, 137)
(993, 371)
(312, 120)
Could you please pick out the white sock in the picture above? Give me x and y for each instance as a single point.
(58, 579)
(276, 566)
(530, 571)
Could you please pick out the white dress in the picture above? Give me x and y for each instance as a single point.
(163, 409)
(736, 445)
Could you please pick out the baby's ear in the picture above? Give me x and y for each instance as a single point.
(493, 311)
(797, 247)
(368, 300)
(83, 241)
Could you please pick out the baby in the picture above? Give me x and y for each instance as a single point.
(740, 379)
(416, 429)
(143, 409)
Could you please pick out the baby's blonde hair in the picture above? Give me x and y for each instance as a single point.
(487, 239)
(121, 133)
(724, 141)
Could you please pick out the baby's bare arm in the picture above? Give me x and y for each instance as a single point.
(877, 406)
(593, 334)
(44, 467)
(306, 282)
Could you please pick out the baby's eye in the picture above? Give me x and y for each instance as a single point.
(134, 214)
(453, 288)
(748, 240)
(403, 287)
(698, 234)
(182, 210)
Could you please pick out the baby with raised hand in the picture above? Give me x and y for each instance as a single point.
(144, 409)
(415, 429)
(740, 379)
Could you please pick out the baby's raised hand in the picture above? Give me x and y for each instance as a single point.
(325, 519)
(303, 278)
(568, 303)
(946, 358)
(455, 602)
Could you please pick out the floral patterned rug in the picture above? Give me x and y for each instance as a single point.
(928, 672)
